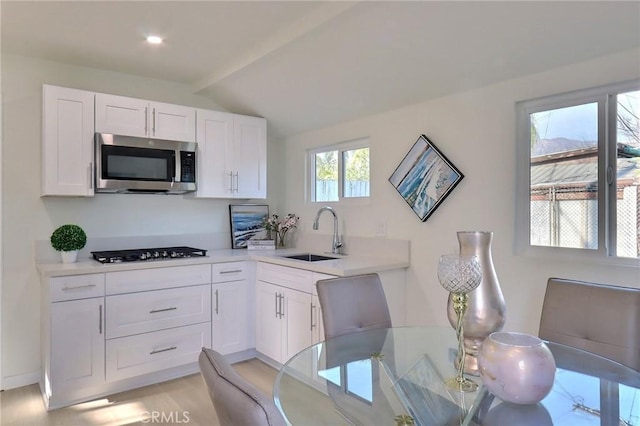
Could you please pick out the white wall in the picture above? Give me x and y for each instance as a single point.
(27, 217)
(476, 131)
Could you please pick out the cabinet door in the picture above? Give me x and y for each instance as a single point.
(269, 325)
(173, 122)
(215, 151)
(67, 141)
(121, 115)
(230, 314)
(77, 344)
(297, 315)
(317, 327)
(250, 157)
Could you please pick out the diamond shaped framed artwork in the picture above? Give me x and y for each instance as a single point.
(425, 177)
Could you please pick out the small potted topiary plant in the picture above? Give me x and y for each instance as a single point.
(68, 239)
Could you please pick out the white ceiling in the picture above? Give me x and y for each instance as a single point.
(304, 65)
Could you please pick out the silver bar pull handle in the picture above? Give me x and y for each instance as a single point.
(237, 182)
(216, 302)
(231, 271)
(313, 307)
(172, 348)
(100, 319)
(277, 297)
(155, 311)
(282, 306)
(146, 121)
(231, 181)
(154, 122)
(66, 288)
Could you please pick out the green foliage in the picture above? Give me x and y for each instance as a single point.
(327, 165)
(357, 165)
(68, 237)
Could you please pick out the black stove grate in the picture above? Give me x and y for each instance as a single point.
(147, 254)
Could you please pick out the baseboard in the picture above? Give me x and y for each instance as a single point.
(20, 380)
(241, 356)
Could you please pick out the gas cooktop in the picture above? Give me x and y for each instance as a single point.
(147, 254)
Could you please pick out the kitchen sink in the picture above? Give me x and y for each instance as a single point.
(308, 257)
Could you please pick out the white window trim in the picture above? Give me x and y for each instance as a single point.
(311, 172)
(606, 215)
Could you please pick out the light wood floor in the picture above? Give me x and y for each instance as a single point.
(179, 401)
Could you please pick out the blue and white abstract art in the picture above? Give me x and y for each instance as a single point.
(425, 177)
(247, 222)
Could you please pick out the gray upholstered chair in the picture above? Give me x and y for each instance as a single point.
(351, 304)
(598, 318)
(237, 402)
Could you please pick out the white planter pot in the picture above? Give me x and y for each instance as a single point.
(69, 256)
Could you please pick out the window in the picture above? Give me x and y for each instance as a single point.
(579, 173)
(339, 172)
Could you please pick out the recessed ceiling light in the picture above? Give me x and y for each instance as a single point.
(154, 39)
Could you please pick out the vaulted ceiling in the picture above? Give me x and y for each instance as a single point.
(304, 65)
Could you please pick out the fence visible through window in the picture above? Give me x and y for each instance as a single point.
(327, 190)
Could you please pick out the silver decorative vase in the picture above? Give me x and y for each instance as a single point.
(486, 309)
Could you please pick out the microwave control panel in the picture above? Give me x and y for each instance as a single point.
(187, 166)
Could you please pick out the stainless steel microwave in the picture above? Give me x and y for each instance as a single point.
(126, 164)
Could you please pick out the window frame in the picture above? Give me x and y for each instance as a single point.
(341, 147)
(606, 98)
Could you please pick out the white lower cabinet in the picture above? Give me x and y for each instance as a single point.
(230, 317)
(230, 308)
(77, 344)
(270, 328)
(297, 314)
(135, 355)
(288, 316)
(108, 332)
(104, 333)
(143, 312)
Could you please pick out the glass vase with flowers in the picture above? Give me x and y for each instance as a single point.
(278, 227)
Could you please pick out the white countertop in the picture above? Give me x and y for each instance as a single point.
(342, 266)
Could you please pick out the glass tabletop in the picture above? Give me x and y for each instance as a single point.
(377, 376)
(371, 377)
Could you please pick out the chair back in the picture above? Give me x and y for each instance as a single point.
(237, 402)
(351, 304)
(598, 318)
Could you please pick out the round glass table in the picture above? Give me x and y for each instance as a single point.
(385, 376)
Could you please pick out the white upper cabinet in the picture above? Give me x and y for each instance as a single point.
(67, 141)
(214, 135)
(232, 157)
(250, 156)
(137, 117)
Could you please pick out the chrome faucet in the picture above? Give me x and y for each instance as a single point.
(336, 247)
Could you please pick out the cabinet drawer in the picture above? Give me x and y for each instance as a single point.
(136, 313)
(225, 272)
(296, 279)
(157, 278)
(76, 287)
(317, 276)
(145, 353)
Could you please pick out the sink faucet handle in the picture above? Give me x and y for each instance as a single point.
(337, 245)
